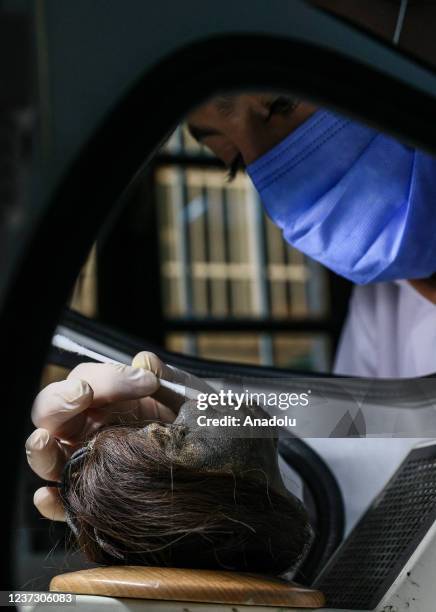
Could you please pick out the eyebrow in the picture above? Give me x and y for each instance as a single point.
(201, 133)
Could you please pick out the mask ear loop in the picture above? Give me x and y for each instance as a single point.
(400, 22)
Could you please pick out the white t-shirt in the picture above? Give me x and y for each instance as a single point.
(390, 331)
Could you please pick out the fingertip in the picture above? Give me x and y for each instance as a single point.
(148, 361)
(45, 455)
(49, 504)
(37, 440)
(59, 401)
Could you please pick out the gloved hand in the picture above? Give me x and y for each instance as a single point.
(93, 395)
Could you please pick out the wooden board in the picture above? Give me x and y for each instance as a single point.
(204, 586)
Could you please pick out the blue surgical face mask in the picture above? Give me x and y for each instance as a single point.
(359, 202)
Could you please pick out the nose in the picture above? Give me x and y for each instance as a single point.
(251, 136)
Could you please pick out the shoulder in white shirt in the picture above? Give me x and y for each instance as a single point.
(390, 331)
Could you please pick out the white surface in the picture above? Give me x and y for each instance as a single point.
(362, 467)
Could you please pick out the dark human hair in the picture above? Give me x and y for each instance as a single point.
(128, 504)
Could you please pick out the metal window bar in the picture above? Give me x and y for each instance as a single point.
(185, 279)
(226, 245)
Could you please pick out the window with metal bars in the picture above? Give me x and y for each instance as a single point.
(232, 288)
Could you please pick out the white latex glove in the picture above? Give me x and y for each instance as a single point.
(94, 395)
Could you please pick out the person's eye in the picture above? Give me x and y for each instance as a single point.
(281, 106)
(233, 168)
